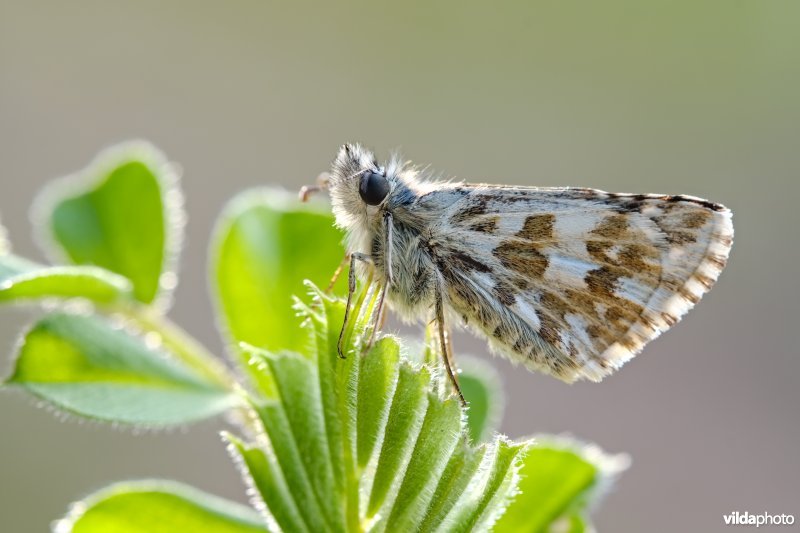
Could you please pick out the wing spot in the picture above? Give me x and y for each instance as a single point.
(498, 332)
(603, 281)
(680, 237)
(613, 227)
(537, 228)
(522, 258)
(521, 283)
(549, 329)
(704, 280)
(718, 261)
(642, 261)
(648, 322)
(504, 293)
(630, 344)
(486, 225)
(465, 262)
(465, 215)
(696, 219)
(689, 295)
(598, 333)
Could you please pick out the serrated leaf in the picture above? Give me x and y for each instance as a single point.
(486, 496)
(299, 419)
(440, 433)
(382, 452)
(157, 507)
(84, 366)
(122, 213)
(375, 394)
(22, 280)
(405, 420)
(267, 243)
(561, 480)
(268, 484)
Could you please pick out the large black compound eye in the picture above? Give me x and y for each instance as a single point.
(373, 188)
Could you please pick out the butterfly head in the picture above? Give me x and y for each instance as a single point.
(358, 186)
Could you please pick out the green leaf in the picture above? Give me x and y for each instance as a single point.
(486, 496)
(21, 280)
(122, 213)
(561, 480)
(157, 507)
(382, 365)
(267, 243)
(84, 366)
(367, 442)
(483, 390)
(268, 483)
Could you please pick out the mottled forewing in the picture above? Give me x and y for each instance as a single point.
(574, 282)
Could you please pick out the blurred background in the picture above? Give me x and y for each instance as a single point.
(686, 96)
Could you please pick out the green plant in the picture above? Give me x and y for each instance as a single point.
(370, 442)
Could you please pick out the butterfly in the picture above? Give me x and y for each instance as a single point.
(571, 282)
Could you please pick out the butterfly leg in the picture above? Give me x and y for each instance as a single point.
(444, 343)
(376, 319)
(387, 268)
(351, 289)
(307, 190)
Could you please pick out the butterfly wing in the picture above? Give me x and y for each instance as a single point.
(574, 282)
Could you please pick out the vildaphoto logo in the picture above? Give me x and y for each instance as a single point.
(737, 518)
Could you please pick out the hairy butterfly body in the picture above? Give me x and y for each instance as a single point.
(567, 281)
